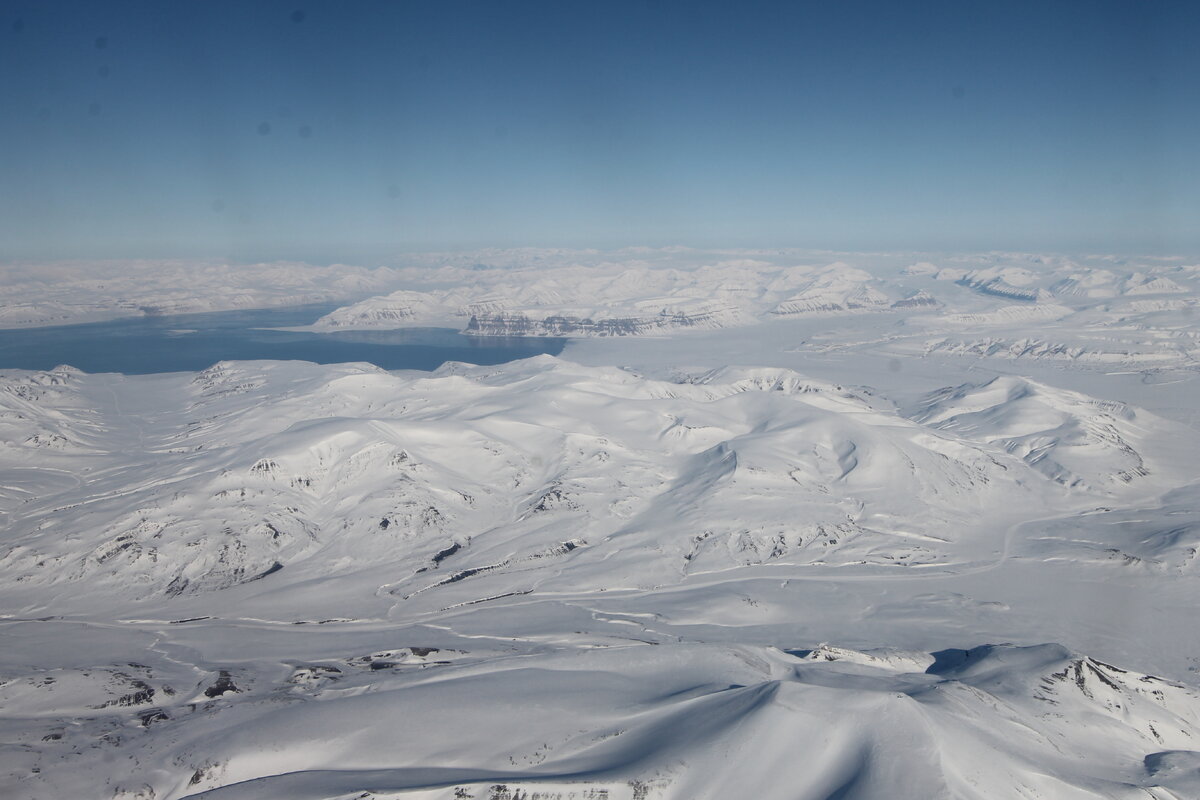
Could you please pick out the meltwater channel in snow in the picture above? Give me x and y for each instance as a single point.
(189, 342)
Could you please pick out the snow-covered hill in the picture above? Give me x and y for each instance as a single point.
(1094, 312)
(352, 465)
(278, 579)
(676, 721)
(1073, 439)
(546, 579)
(619, 300)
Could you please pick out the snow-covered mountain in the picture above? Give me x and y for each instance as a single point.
(1091, 313)
(545, 579)
(278, 579)
(677, 720)
(1073, 439)
(1094, 312)
(608, 300)
(837, 288)
(356, 465)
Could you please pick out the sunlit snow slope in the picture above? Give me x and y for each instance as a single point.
(283, 580)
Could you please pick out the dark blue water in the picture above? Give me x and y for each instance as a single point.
(156, 344)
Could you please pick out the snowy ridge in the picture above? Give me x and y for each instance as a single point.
(999, 287)
(745, 707)
(838, 288)
(1092, 312)
(1081, 351)
(1071, 438)
(1096, 311)
(284, 580)
(1139, 283)
(1006, 315)
(727, 468)
(605, 301)
(804, 469)
(673, 721)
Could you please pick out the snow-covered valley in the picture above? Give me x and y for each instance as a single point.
(553, 579)
(772, 526)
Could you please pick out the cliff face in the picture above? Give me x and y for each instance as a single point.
(997, 287)
(518, 324)
(396, 310)
(921, 299)
(841, 297)
(373, 317)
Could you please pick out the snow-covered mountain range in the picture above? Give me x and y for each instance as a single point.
(941, 543)
(1094, 312)
(545, 579)
(664, 292)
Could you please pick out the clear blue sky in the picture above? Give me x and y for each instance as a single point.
(348, 131)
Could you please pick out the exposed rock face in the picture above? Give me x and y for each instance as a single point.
(846, 293)
(398, 314)
(921, 299)
(518, 324)
(579, 568)
(998, 287)
(395, 310)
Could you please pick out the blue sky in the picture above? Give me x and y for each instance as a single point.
(352, 131)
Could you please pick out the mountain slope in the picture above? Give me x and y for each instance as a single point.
(278, 579)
